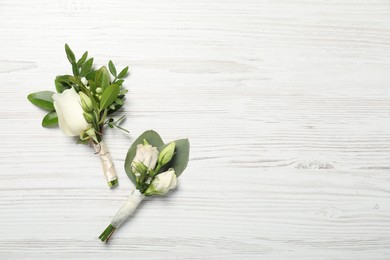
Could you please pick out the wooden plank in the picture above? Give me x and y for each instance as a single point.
(285, 104)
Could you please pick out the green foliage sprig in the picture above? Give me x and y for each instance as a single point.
(100, 96)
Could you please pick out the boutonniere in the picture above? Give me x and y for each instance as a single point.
(153, 167)
(84, 105)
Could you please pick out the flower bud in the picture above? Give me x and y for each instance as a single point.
(147, 155)
(86, 102)
(99, 90)
(166, 154)
(88, 117)
(162, 183)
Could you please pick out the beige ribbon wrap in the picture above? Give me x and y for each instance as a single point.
(107, 164)
(127, 208)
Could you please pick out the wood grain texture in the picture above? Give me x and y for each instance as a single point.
(286, 105)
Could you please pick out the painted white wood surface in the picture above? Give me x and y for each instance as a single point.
(286, 104)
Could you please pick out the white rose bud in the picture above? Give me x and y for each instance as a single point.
(162, 183)
(70, 113)
(166, 154)
(147, 155)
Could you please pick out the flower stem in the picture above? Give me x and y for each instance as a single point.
(107, 233)
(113, 183)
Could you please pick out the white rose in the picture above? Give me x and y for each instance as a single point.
(70, 113)
(162, 183)
(146, 154)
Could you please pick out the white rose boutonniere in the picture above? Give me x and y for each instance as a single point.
(84, 104)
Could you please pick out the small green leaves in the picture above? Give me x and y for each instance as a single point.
(50, 120)
(109, 95)
(42, 99)
(82, 59)
(102, 78)
(62, 83)
(123, 73)
(70, 54)
(89, 134)
(86, 67)
(140, 167)
(112, 68)
(75, 69)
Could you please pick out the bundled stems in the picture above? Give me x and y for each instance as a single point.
(107, 233)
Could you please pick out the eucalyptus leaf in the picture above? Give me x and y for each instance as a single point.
(102, 78)
(153, 139)
(82, 59)
(109, 95)
(50, 120)
(123, 73)
(112, 68)
(70, 54)
(42, 99)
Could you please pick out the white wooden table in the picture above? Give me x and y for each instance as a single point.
(286, 105)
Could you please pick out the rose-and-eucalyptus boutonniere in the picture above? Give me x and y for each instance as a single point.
(84, 103)
(153, 167)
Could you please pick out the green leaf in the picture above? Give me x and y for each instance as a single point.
(123, 73)
(180, 159)
(112, 68)
(42, 99)
(91, 75)
(82, 59)
(102, 78)
(75, 69)
(153, 138)
(109, 95)
(70, 54)
(119, 101)
(50, 120)
(119, 82)
(86, 67)
(62, 83)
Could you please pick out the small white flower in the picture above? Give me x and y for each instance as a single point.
(147, 155)
(70, 113)
(162, 183)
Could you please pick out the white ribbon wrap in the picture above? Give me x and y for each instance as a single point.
(107, 164)
(127, 208)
